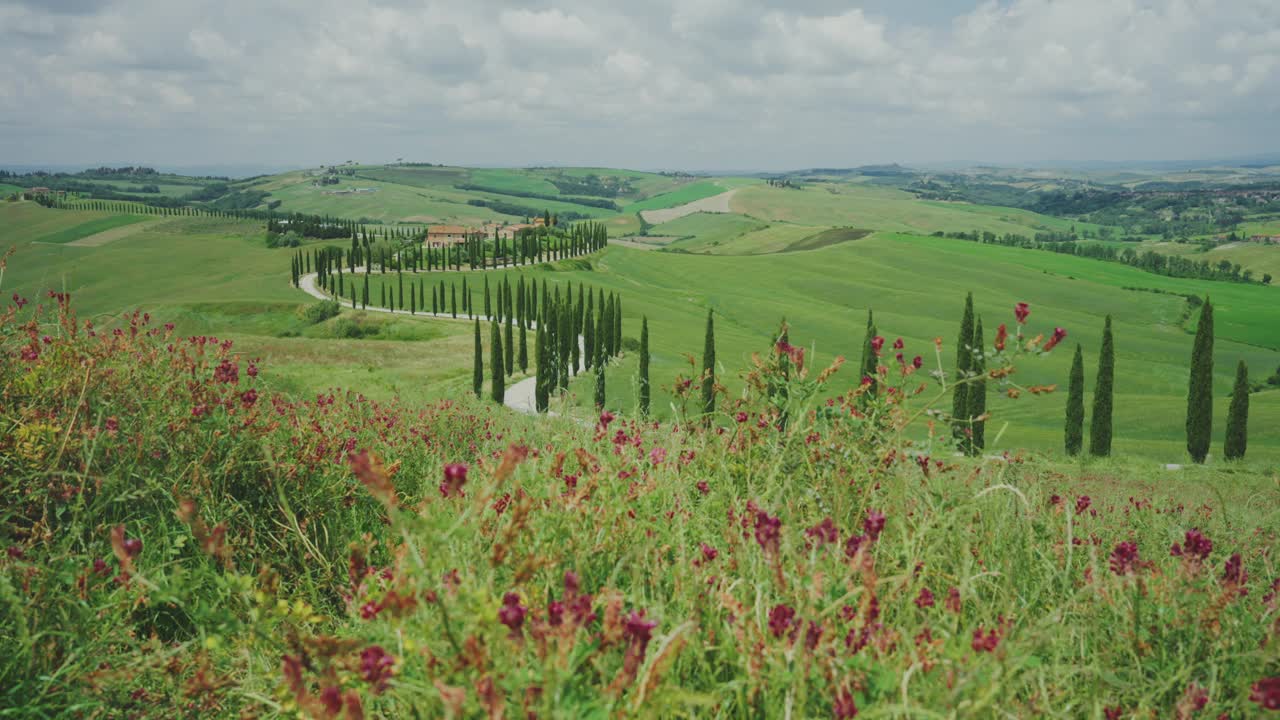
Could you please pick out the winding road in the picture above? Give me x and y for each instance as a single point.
(520, 397)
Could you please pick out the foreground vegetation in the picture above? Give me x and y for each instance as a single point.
(205, 548)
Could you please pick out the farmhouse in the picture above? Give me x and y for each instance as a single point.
(1273, 239)
(442, 235)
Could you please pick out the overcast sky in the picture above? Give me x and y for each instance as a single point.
(689, 84)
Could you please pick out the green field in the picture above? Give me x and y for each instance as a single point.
(821, 281)
(92, 227)
(689, 193)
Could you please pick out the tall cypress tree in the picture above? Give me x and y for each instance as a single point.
(499, 374)
(617, 326)
(1238, 416)
(477, 370)
(977, 394)
(509, 346)
(599, 394)
(644, 367)
(589, 332)
(964, 364)
(869, 360)
(453, 300)
(567, 341)
(1073, 432)
(1200, 388)
(541, 398)
(709, 369)
(488, 303)
(1100, 426)
(524, 352)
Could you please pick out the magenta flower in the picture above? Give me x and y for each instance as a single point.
(874, 524)
(1082, 503)
(1124, 559)
(917, 362)
(1021, 311)
(512, 613)
(924, 599)
(1233, 572)
(638, 629)
(1059, 334)
(843, 707)
(985, 642)
(898, 344)
(1266, 692)
(824, 532)
(781, 618)
(375, 667)
(877, 343)
(132, 546)
(1196, 546)
(709, 553)
(768, 530)
(455, 476)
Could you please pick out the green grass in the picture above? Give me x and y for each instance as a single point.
(916, 286)
(700, 231)
(689, 193)
(882, 208)
(7, 189)
(92, 227)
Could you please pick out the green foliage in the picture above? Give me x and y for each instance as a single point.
(645, 392)
(1238, 416)
(709, 369)
(1100, 425)
(497, 362)
(964, 367)
(976, 395)
(1073, 433)
(1200, 388)
(319, 311)
(477, 370)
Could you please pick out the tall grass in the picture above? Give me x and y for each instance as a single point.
(184, 544)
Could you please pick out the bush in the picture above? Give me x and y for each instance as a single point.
(348, 327)
(320, 311)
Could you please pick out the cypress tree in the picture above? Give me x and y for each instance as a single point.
(977, 394)
(498, 381)
(1200, 388)
(599, 395)
(869, 359)
(1073, 433)
(644, 367)
(488, 303)
(477, 370)
(453, 300)
(541, 397)
(1238, 416)
(524, 352)
(709, 370)
(964, 363)
(567, 341)
(589, 332)
(1100, 427)
(617, 326)
(509, 346)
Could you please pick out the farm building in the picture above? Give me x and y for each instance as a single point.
(442, 235)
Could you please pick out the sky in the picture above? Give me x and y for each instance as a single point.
(652, 84)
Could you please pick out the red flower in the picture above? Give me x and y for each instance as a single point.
(639, 630)
(1124, 559)
(1266, 692)
(924, 599)
(768, 530)
(825, 532)
(375, 667)
(1233, 572)
(606, 417)
(1021, 311)
(1082, 503)
(987, 642)
(874, 524)
(512, 613)
(781, 618)
(455, 476)
(1002, 335)
(898, 344)
(1195, 546)
(1059, 334)
(132, 546)
(953, 600)
(709, 553)
(741, 417)
(248, 398)
(843, 708)
(877, 343)
(917, 362)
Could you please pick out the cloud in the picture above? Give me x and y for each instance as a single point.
(670, 83)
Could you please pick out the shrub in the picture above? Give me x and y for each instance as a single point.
(320, 311)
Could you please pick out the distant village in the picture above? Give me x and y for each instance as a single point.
(445, 235)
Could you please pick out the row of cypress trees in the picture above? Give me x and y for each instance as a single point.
(1199, 424)
(1101, 427)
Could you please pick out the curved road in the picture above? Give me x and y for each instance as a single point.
(520, 397)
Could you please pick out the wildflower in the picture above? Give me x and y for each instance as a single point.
(639, 630)
(657, 456)
(877, 343)
(331, 698)
(1002, 336)
(1082, 503)
(768, 530)
(112, 425)
(15, 552)
(555, 613)
(854, 544)
(1113, 712)
(1195, 546)
(572, 583)
(1124, 559)
(866, 380)
(1021, 311)
(512, 613)
(227, 372)
(843, 707)
(825, 532)
(1233, 571)
(703, 487)
(100, 567)
(781, 618)
(132, 546)
(812, 636)
(1059, 334)
(1266, 692)
(874, 524)
(199, 410)
(917, 362)
(606, 417)
(709, 553)
(455, 476)
(924, 599)
(741, 417)
(375, 667)
(370, 610)
(985, 642)
(898, 344)
(248, 398)
(953, 600)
